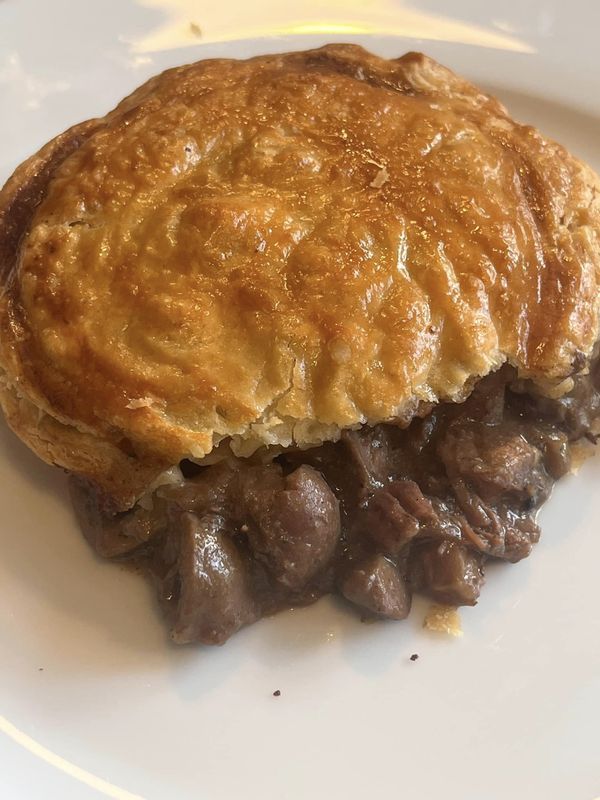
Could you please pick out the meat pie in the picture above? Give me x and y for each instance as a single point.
(306, 323)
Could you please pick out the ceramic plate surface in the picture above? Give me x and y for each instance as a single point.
(94, 701)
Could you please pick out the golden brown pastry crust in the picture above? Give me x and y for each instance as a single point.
(272, 250)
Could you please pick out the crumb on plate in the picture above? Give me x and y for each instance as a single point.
(443, 619)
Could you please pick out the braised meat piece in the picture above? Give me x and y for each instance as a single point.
(293, 522)
(376, 585)
(207, 589)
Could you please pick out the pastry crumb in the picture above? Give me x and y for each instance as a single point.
(382, 177)
(443, 619)
(195, 29)
(140, 402)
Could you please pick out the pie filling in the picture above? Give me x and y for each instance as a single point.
(376, 516)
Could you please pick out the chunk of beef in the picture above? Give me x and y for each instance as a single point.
(554, 446)
(207, 491)
(388, 524)
(368, 453)
(376, 585)
(496, 460)
(353, 467)
(293, 521)
(208, 588)
(394, 515)
(113, 535)
(575, 413)
(412, 499)
(446, 571)
(495, 529)
(486, 403)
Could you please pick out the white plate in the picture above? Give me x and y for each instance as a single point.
(94, 700)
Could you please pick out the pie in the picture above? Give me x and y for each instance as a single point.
(306, 323)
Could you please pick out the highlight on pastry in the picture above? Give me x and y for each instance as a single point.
(307, 323)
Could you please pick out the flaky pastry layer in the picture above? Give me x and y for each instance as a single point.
(266, 252)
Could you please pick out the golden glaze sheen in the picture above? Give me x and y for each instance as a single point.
(275, 249)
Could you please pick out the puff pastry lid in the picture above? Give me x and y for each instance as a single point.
(269, 251)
